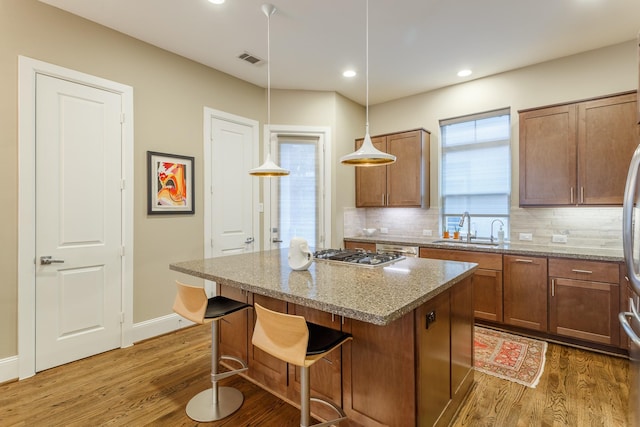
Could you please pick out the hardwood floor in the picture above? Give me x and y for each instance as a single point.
(577, 388)
(151, 383)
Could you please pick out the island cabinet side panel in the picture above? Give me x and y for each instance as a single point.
(462, 321)
(378, 373)
(264, 368)
(234, 339)
(433, 353)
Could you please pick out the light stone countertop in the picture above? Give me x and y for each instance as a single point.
(376, 295)
(507, 248)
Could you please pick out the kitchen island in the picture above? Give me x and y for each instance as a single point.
(411, 359)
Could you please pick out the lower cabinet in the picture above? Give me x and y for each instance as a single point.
(234, 340)
(369, 247)
(525, 292)
(487, 279)
(584, 300)
(379, 377)
(264, 368)
(326, 374)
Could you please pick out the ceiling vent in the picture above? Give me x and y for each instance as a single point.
(253, 60)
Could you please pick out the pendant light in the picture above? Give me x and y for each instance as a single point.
(269, 168)
(367, 154)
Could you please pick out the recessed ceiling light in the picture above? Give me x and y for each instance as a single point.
(464, 73)
(216, 1)
(349, 73)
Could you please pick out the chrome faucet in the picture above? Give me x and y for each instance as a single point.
(466, 214)
(501, 223)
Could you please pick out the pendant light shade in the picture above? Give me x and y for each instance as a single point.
(367, 154)
(269, 168)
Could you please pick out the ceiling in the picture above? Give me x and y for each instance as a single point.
(414, 45)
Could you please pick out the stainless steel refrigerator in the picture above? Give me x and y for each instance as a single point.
(630, 318)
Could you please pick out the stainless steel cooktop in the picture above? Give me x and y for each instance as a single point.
(357, 257)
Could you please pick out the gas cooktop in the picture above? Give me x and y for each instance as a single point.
(357, 257)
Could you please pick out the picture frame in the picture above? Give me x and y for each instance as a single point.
(170, 184)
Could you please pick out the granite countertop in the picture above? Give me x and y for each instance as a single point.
(507, 248)
(377, 295)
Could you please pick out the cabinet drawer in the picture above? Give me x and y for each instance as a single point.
(483, 259)
(584, 270)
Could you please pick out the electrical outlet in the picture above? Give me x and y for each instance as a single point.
(427, 233)
(384, 230)
(559, 238)
(526, 236)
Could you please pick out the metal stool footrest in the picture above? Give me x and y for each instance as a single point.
(222, 375)
(333, 406)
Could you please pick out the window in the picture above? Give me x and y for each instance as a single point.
(476, 172)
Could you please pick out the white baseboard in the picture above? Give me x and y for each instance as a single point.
(159, 326)
(9, 369)
(141, 331)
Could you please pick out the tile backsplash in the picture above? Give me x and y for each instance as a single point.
(592, 227)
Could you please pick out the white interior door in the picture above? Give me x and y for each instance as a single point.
(78, 221)
(231, 201)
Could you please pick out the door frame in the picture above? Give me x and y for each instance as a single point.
(209, 114)
(323, 133)
(28, 69)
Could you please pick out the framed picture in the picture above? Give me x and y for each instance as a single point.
(170, 184)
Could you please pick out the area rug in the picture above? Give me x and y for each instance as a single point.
(510, 357)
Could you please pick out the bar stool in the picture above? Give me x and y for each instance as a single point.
(292, 339)
(217, 402)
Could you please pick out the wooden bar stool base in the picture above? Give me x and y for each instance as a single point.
(202, 408)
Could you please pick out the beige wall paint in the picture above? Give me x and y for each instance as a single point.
(600, 72)
(170, 93)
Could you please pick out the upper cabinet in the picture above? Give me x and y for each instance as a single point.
(579, 153)
(404, 183)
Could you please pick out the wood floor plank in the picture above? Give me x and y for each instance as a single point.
(150, 384)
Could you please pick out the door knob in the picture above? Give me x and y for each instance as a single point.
(249, 240)
(46, 260)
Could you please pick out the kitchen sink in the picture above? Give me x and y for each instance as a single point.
(479, 243)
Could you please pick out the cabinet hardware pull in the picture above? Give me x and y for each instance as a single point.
(581, 194)
(571, 201)
(575, 270)
(529, 261)
(553, 287)
(382, 199)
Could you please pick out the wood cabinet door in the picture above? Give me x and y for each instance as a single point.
(264, 368)
(371, 182)
(487, 295)
(584, 310)
(607, 138)
(433, 359)
(525, 292)
(548, 156)
(461, 338)
(234, 337)
(405, 176)
(326, 373)
(379, 373)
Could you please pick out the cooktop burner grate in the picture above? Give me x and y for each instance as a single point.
(357, 257)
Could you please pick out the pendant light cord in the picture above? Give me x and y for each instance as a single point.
(366, 70)
(269, 13)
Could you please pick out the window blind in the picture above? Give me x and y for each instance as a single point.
(476, 169)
